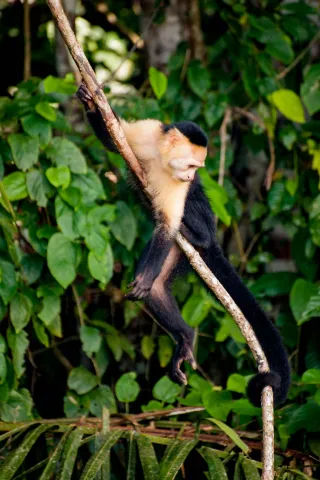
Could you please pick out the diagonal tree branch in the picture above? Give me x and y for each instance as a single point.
(193, 256)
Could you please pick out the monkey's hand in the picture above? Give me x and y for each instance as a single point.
(183, 352)
(85, 96)
(141, 287)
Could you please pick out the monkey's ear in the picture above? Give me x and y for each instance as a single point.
(174, 136)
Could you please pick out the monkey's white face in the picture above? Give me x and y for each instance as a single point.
(185, 161)
(181, 158)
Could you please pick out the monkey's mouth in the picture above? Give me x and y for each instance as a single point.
(185, 176)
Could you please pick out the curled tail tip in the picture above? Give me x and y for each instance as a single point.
(261, 380)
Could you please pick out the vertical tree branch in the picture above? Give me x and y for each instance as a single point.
(27, 40)
(223, 144)
(196, 37)
(193, 256)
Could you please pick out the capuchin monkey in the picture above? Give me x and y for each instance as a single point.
(170, 155)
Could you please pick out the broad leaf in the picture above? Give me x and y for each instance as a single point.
(289, 105)
(158, 81)
(25, 150)
(61, 258)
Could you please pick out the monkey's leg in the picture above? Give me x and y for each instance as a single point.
(163, 307)
(151, 263)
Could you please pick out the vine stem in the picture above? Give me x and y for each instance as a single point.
(192, 255)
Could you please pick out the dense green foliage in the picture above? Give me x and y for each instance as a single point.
(72, 231)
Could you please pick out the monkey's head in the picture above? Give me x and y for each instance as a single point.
(183, 150)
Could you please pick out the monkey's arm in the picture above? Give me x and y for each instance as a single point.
(95, 118)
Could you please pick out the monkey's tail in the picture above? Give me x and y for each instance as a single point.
(267, 334)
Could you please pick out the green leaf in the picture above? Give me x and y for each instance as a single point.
(51, 466)
(127, 389)
(165, 350)
(257, 211)
(71, 195)
(166, 390)
(148, 458)
(95, 463)
(310, 89)
(38, 187)
(102, 397)
(289, 105)
(306, 417)
(20, 311)
(217, 196)
(158, 82)
(214, 108)
(101, 268)
(32, 266)
(69, 455)
(25, 150)
(273, 284)
(90, 187)
(8, 281)
(124, 228)
(65, 153)
(36, 126)
(215, 465)
(195, 310)
(174, 457)
(147, 346)
(40, 332)
(198, 78)
(51, 307)
(18, 343)
(300, 295)
(17, 406)
(250, 470)
(15, 459)
(237, 383)
(311, 376)
(61, 258)
(81, 380)
(132, 456)
(97, 240)
(15, 186)
(59, 85)
(218, 404)
(279, 47)
(3, 368)
(59, 176)
(231, 434)
(46, 111)
(66, 219)
(91, 339)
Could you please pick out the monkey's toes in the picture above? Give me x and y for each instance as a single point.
(178, 376)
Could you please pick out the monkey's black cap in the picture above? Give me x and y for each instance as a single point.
(190, 130)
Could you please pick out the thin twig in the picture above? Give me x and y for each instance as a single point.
(137, 43)
(223, 142)
(78, 303)
(298, 58)
(193, 256)
(272, 164)
(27, 40)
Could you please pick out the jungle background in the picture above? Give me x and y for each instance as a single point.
(72, 350)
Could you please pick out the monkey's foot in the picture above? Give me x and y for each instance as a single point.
(141, 287)
(183, 352)
(85, 96)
